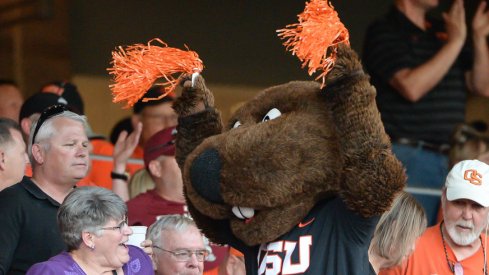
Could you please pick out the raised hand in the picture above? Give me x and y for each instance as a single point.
(124, 148)
(195, 97)
(455, 22)
(480, 22)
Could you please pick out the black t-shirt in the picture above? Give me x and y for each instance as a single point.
(28, 229)
(331, 239)
(393, 43)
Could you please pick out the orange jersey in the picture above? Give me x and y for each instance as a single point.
(429, 257)
(100, 166)
(102, 162)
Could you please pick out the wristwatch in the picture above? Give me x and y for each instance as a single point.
(118, 176)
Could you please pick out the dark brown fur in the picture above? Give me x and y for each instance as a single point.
(327, 142)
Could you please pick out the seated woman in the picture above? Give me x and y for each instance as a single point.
(396, 233)
(93, 224)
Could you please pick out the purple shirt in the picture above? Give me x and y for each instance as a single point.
(63, 263)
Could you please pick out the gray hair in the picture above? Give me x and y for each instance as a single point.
(398, 228)
(6, 124)
(87, 209)
(48, 130)
(177, 223)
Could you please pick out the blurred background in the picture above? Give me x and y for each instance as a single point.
(45, 40)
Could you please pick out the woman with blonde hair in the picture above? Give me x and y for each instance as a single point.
(396, 233)
(140, 182)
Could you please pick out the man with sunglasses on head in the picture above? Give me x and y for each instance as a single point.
(58, 151)
(458, 244)
(178, 246)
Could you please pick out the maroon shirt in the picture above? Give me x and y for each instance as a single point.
(146, 207)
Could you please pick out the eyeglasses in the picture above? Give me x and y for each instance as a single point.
(47, 114)
(121, 226)
(184, 255)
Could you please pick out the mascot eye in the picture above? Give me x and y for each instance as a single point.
(272, 114)
(236, 124)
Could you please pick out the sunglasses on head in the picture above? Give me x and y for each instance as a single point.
(47, 114)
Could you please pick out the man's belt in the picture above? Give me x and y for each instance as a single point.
(442, 148)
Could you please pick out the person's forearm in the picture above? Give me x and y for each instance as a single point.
(120, 186)
(415, 83)
(479, 78)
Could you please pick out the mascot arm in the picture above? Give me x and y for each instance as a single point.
(197, 117)
(371, 174)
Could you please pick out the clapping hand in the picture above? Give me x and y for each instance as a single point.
(480, 23)
(455, 22)
(124, 147)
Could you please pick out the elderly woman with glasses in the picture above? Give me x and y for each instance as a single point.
(178, 246)
(93, 224)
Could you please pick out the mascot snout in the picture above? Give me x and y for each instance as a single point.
(205, 175)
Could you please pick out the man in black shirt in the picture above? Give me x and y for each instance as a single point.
(58, 150)
(422, 72)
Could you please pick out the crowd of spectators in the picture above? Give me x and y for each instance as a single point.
(69, 196)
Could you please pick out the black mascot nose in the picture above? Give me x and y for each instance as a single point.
(205, 175)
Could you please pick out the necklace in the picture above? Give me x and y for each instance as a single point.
(451, 265)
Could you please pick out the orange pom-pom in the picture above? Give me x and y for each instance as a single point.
(136, 68)
(316, 37)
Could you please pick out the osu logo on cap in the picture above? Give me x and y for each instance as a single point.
(473, 177)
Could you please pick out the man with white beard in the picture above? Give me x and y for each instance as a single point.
(458, 244)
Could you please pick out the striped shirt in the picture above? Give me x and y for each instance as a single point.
(394, 43)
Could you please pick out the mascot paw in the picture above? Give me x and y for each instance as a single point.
(195, 98)
(347, 66)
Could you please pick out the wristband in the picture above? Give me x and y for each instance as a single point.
(114, 175)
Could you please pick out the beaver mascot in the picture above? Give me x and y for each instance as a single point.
(299, 175)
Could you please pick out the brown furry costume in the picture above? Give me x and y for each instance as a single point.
(325, 143)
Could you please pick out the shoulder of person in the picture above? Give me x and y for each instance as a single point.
(139, 261)
(12, 194)
(137, 252)
(44, 268)
(62, 263)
